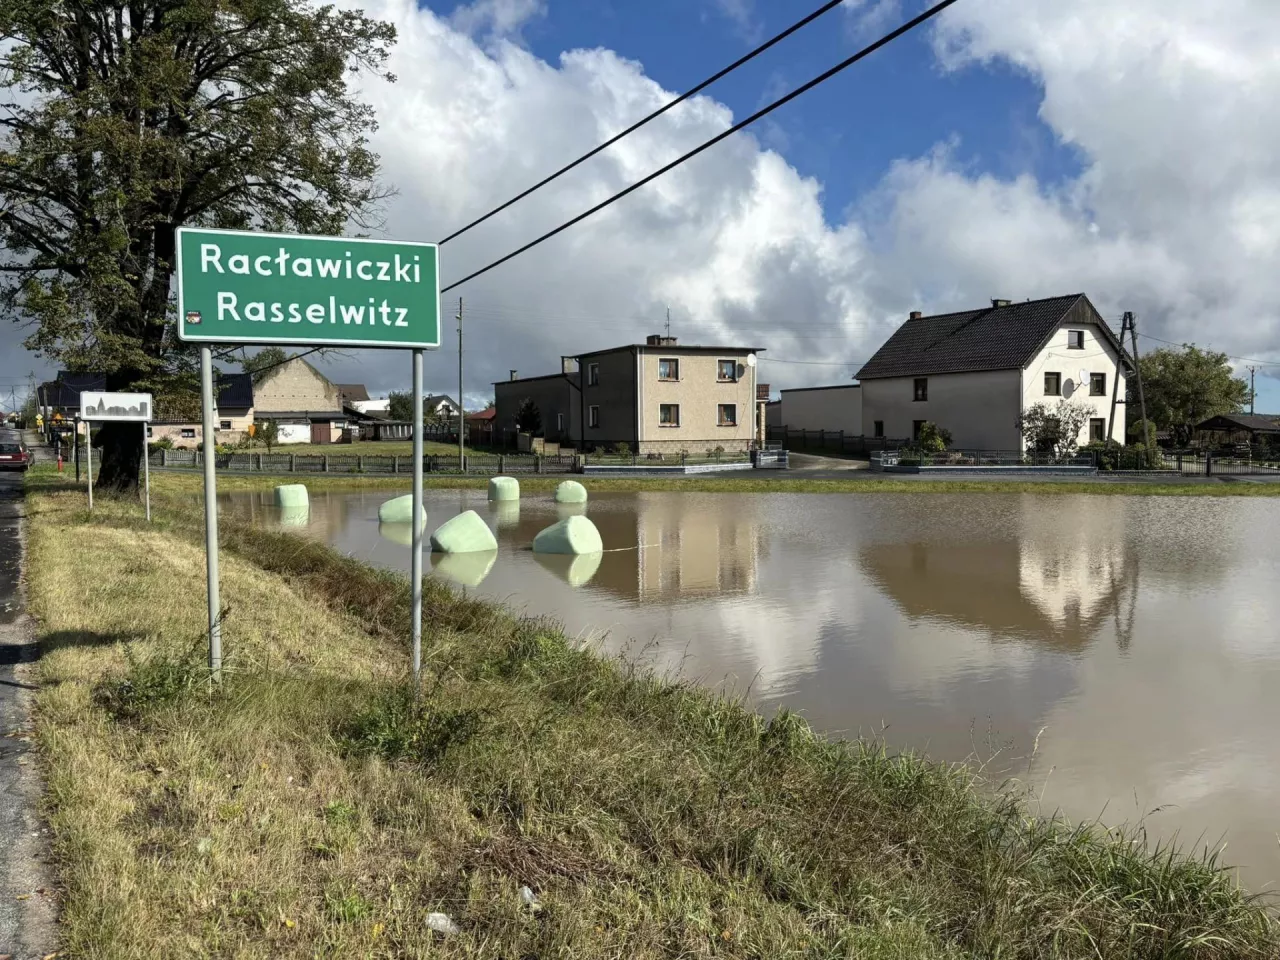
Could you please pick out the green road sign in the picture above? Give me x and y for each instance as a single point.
(235, 286)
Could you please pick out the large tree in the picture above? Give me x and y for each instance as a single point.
(1184, 386)
(122, 121)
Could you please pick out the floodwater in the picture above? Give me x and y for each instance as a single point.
(1121, 655)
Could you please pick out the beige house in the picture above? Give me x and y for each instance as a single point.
(232, 407)
(304, 403)
(657, 398)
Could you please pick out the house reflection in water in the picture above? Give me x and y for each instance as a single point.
(1053, 577)
(659, 549)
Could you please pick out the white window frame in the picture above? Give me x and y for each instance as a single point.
(593, 374)
(673, 406)
(671, 360)
(720, 421)
(593, 416)
(1073, 335)
(733, 377)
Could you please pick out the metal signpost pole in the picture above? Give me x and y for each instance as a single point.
(210, 512)
(146, 468)
(415, 563)
(88, 458)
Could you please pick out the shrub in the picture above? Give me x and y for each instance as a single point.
(933, 438)
(622, 449)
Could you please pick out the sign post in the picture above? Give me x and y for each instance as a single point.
(240, 287)
(127, 407)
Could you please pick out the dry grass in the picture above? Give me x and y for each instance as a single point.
(311, 808)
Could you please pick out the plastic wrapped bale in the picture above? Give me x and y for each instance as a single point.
(465, 533)
(401, 533)
(398, 510)
(292, 495)
(572, 535)
(571, 491)
(575, 571)
(464, 569)
(504, 488)
(295, 516)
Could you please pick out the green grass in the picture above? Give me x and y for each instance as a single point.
(313, 807)
(191, 481)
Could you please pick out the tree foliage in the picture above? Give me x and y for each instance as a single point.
(529, 418)
(400, 405)
(268, 431)
(1185, 386)
(125, 120)
(1054, 429)
(933, 438)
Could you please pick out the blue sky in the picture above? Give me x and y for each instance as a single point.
(847, 131)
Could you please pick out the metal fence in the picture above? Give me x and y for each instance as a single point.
(1187, 463)
(984, 458)
(831, 441)
(481, 464)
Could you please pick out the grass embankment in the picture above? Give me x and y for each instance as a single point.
(308, 809)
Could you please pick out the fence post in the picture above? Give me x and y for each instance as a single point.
(537, 465)
(502, 463)
(1208, 463)
(359, 463)
(395, 464)
(163, 457)
(291, 466)
(324, 463)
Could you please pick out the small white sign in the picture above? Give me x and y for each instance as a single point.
(115, 406)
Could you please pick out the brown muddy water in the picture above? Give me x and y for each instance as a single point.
(1119, 655)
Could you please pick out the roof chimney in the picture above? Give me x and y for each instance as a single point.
(916, 314)
(1000, 303)
(658, 340)
(514, 374)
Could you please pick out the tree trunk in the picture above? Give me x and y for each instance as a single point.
(120, 446)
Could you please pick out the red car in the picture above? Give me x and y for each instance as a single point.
(14, 456)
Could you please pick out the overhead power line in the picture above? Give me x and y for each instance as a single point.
(1175, 343)
(825, 8)
(765, 111)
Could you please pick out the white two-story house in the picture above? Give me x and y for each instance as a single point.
(975, 372)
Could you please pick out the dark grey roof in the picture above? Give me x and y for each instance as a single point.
(65, 390)
(1258, 423)
(834, 386)
(235, 390)
(351, 392)
(991, 338)
(435, 398)
(321, 416)
(673, 348)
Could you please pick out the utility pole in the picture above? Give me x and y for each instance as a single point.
(1142, 400)
(462, 404)
(668, 321)
(1115, 386)
(1252, 370)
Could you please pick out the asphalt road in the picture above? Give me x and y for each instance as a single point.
(27, 912)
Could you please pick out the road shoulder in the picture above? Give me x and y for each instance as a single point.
(28, 914)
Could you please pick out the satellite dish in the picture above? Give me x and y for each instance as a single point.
(1082, 377)
(751, 359)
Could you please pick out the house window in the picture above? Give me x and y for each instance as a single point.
(669, 369)
(560, 421)
(726, 370)
(1053, 384)
(878, 428)
(1097, 384)
(727, 414)
(1097, 430)
(593, 416)
(224, 424)
(149, 431)
(922, 388)
(188, 433)
(916, 427)
(668, 414)
(1075, 339)
(593, 374)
